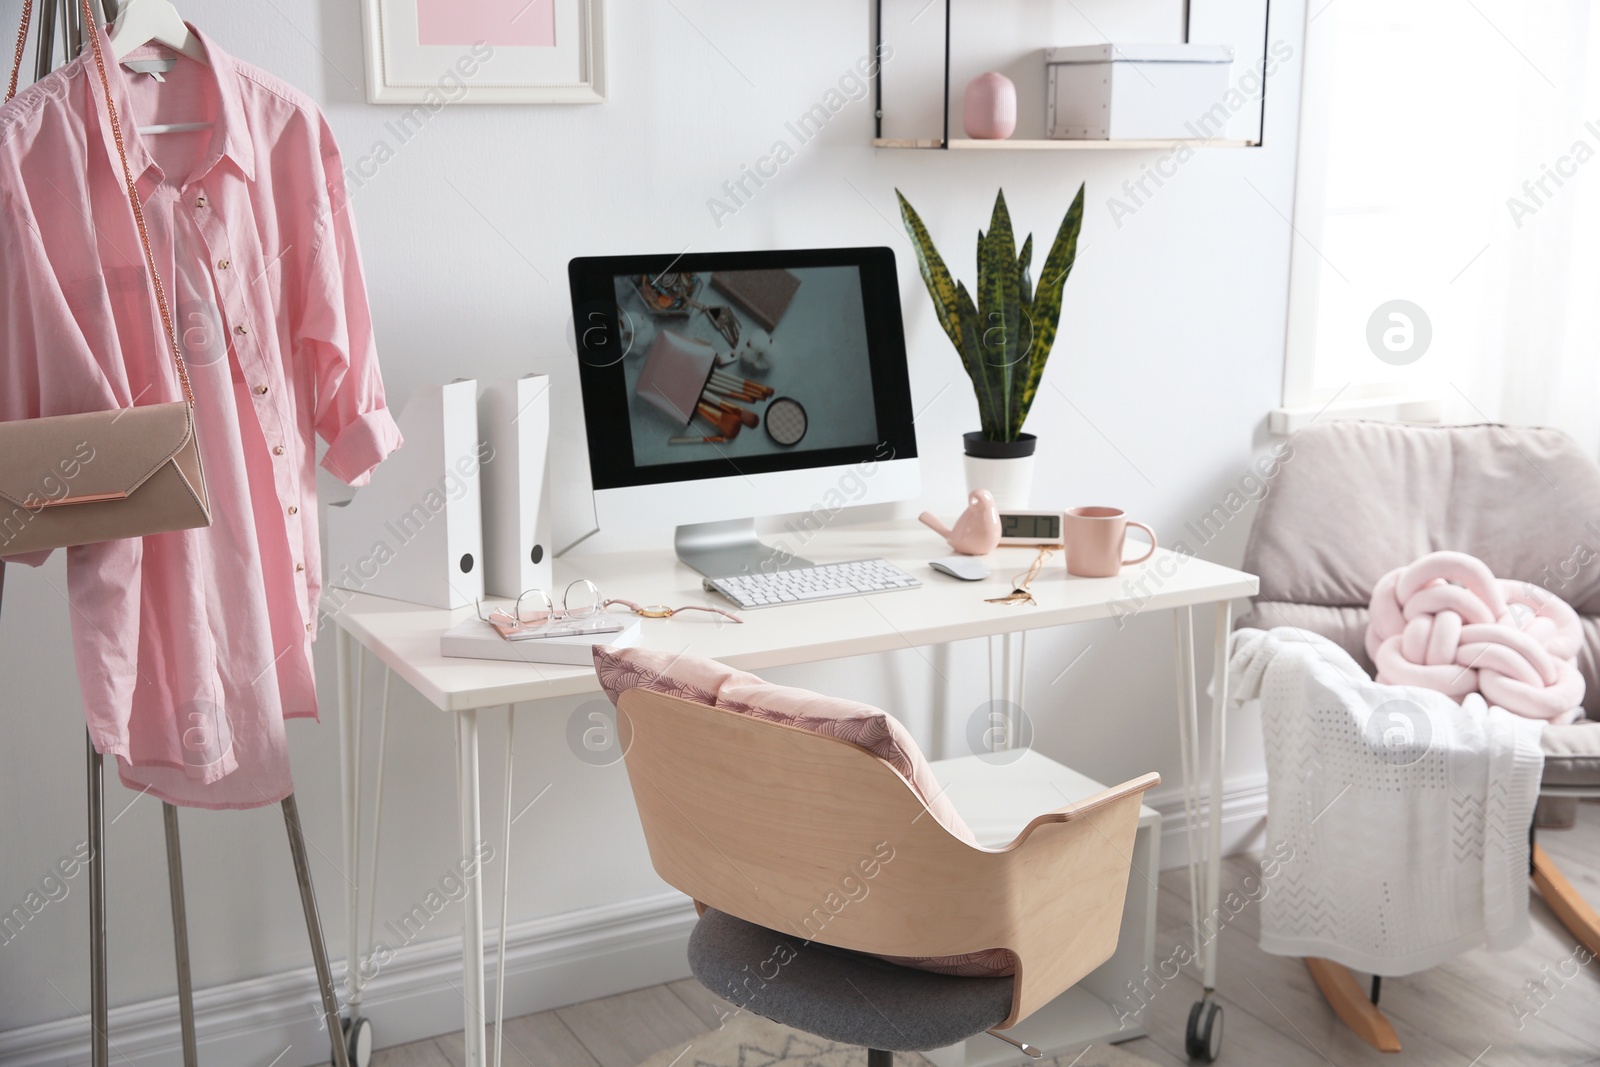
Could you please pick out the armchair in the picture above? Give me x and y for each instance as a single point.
(1357, 499)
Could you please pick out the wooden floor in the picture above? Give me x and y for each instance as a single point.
(1463, 1014)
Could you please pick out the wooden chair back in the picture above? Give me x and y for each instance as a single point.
(815, 837)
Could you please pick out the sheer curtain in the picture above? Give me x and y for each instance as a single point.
(1450, 159)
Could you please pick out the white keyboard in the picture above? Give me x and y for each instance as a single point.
(812, 583)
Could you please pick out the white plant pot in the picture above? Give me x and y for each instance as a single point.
(1010, 481)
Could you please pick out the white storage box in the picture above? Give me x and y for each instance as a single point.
(1105, 92)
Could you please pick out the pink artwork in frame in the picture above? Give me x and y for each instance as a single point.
(497, 23)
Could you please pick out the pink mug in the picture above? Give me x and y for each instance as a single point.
(1094, 540)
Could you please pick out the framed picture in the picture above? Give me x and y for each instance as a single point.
(435, 52)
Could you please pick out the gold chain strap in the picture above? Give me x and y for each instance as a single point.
(22, 43)
(93, 32)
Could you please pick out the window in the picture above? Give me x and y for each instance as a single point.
(1446, 211)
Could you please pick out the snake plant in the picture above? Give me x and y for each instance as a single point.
(1005, 337)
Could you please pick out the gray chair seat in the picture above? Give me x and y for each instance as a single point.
(843, 996)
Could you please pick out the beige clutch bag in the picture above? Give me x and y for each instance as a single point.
(99, 476)
(102, 475)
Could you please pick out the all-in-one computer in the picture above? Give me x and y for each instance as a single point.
(723, 386)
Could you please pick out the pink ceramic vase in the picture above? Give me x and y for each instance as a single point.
(989, 110)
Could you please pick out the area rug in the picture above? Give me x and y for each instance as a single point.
(748, 1040)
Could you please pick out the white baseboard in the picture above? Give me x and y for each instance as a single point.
(550, 962)
(1244, 819)
(276, 1020)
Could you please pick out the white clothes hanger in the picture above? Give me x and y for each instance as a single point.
(140, 22)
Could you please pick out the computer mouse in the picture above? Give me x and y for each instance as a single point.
(964, 567)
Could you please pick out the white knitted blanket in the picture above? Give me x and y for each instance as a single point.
(1407, 813)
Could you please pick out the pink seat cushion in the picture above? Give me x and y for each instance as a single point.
(708, 682)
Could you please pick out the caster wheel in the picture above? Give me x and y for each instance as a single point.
(358, 1041)
(1203, 1039)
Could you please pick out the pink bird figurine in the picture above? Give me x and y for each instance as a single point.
(977, 531)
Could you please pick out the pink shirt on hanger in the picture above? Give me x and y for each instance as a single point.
(194, 646)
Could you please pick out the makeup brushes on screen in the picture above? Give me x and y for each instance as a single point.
(728, 423)
(746, 416)
(742, 388)
(720, 405)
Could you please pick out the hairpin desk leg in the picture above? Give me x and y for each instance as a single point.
(99, 1012)
(505, 892)
(319, 948)
(351, 662)
(180, 936)
(468, 788)
(1006, 726)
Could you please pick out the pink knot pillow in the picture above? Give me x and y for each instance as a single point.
(1447, 623)
(705, 681)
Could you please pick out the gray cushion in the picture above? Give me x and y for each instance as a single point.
(1572, 754)
(843, 996)
(1353, 500)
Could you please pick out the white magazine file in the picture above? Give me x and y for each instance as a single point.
(415, 532)
(514, 421)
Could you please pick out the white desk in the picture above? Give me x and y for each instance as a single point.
(405, 638)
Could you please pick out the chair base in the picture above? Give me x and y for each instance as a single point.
(1351, 1005)
(1575, 913)
(1364, 1018)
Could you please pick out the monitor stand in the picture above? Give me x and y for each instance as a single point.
(724, 549)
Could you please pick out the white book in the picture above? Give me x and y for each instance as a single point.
(473, 638)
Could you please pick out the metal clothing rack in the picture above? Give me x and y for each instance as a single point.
(60, 23)
(99, 1008)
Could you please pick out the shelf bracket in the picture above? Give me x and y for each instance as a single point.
(877, 69)
(1266, 44)
(945, 143)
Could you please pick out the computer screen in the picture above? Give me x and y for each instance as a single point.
(732, 364)
(787, 346)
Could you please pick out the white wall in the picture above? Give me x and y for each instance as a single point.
(1169, 355)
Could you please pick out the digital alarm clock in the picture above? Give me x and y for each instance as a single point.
(1030, 528)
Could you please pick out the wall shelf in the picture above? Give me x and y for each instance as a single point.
(959, 144)
(948, 143)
